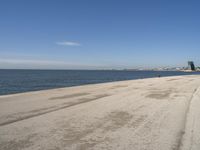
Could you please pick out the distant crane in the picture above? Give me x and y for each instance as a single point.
(191, 65)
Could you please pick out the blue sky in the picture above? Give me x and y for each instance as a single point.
(98, 34)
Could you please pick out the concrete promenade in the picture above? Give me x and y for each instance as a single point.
(146, 114)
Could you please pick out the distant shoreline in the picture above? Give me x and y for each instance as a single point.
(95, 69)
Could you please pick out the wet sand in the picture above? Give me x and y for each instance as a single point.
(146, 114)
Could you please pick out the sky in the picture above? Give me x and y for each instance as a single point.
(98, 34)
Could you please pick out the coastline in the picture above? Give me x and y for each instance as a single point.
(133, 114)
(19, 81)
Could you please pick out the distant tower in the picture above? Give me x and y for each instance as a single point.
(191, 65)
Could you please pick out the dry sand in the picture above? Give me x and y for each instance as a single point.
(146, 114)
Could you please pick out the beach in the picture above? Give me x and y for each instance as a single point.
(144, 114)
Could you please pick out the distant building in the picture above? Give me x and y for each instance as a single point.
(191, 65)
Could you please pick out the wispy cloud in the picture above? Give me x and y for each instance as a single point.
(68, 43)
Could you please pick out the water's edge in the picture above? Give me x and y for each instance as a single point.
(20, 81)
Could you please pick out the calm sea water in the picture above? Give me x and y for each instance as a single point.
(17, 81)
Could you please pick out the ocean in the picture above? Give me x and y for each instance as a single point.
(17, 81)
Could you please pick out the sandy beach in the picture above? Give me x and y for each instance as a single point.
(145, 114)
